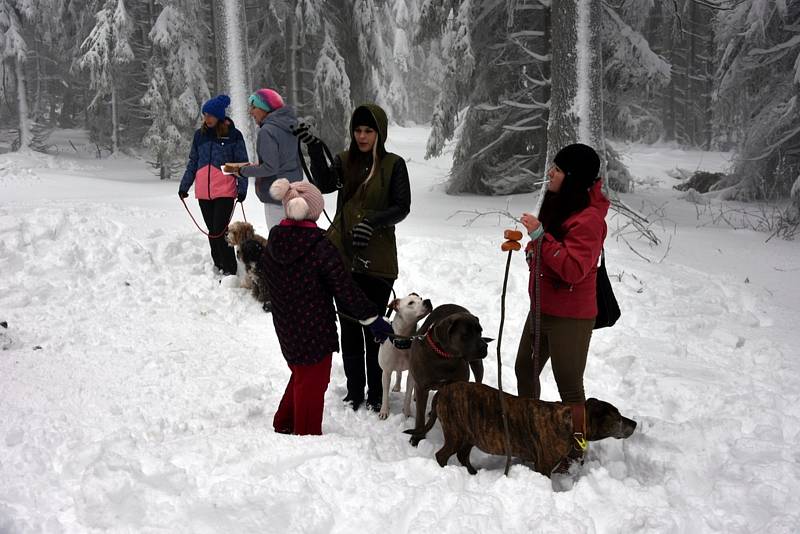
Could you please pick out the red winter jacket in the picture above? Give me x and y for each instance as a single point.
(568, 279)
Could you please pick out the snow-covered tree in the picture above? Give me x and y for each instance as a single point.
(758, 94)
(497, 69)
(233, 76)
(105, 51)
(576, 77)
(332, 93)
(14, 50)
(633, 74)
(177, 86)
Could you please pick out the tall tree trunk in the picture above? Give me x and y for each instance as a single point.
(230, 36)
(293, 50)
(114, 119)
(576, 77)
(25, 137)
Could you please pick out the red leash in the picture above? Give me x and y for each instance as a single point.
(226, 225)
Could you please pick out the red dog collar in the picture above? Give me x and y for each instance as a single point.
(436, 348)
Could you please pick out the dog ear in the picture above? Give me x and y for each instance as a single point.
(394, 304)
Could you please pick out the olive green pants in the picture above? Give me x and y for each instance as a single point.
(565, 342)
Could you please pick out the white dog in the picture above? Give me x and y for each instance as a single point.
(408, 311)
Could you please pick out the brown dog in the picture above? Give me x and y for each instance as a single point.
(541, 432)
(450, 343)
(239, 233)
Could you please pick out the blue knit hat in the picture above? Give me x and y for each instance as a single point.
(216, 106)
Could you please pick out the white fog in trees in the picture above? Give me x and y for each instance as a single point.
(480, 72)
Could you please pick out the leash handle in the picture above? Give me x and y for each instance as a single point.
(215, 236)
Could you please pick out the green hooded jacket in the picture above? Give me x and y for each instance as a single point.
(373, 200)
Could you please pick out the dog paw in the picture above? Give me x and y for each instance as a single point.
(383, 415)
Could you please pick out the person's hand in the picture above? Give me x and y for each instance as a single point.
(362, 233)
(381, 329)
(240, 197)
(183, 194)
(530, 222)
(303, 134)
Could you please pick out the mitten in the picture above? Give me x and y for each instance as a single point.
(362, 233)
(240, 197)
(381, 329)
(183, 194)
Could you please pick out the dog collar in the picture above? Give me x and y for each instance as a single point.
(436, 348)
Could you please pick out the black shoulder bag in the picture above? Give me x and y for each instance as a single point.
(607, 308)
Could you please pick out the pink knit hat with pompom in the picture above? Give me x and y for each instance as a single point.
(301, 200)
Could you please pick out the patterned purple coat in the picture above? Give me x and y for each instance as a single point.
(305, 272)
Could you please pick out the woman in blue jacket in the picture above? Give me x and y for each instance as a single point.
(215, 143)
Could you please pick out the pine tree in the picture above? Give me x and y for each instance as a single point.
(177, 86)
(15, 50)
(757, 94)
(332, 92)
(498, 68)
(105, 52)
(633, 73)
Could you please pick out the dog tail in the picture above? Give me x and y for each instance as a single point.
(432, 415)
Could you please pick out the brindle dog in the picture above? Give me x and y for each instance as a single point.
(541, 432)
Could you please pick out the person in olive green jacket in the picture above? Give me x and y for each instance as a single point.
(374, 195)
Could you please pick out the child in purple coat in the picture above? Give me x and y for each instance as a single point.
(305, 273)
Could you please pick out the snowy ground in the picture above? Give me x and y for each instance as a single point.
(136, 393)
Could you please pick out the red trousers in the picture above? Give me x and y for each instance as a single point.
(300, 410)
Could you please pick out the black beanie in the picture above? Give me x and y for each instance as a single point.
(580, 162)
(362, 116)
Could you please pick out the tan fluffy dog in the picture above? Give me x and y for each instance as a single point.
(238, 233)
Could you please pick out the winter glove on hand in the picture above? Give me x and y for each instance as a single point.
(362, 233)
(240, 197)
(381, 329)
(183, 194)
(304, 135)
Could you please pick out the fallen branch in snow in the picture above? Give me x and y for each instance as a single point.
(637, 220)
(478, 214)
(778, 221)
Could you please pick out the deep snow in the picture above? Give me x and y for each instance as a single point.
(136, 393)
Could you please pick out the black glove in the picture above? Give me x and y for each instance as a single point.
(362, 233)
(240, 197)
(304, 135)
(381, 329)
(183, 194)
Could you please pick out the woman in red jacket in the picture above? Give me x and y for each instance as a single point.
(566, 242)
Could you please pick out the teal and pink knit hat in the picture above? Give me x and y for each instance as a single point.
(267, 99)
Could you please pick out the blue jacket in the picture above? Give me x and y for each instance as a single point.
(277, 153)
(206, 158)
